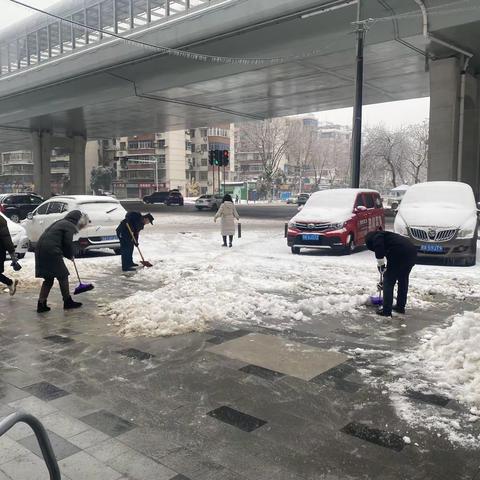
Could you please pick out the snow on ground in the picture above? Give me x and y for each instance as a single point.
(446, 362)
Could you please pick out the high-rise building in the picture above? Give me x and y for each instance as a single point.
(16, 171)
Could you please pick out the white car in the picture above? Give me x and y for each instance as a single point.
(441, 219)
(19, 237)
(105, 214)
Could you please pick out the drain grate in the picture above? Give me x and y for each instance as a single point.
(432, 398)
(374, 435)
(261, 372)
(137, 354)
(233, 417)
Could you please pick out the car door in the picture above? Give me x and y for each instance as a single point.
(361, 218)
(31, 203)
(370, 204)
(56, 211)
(35, 225)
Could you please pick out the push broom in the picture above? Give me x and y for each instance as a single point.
(82, 287)
(144, 262)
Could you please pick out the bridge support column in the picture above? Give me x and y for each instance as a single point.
(41, 152)
(78, 185)
(453, 154)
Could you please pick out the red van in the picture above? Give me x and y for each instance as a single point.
(337, 219)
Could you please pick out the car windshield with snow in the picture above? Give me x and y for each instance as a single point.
(441, 219)
(336, 220)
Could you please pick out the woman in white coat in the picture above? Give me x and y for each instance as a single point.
(228, 213)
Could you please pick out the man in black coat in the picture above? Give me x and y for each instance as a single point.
(401, 255)
(129, 236)
(6, 245)
(55, 244)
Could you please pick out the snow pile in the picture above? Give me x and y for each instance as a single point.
(451, 356)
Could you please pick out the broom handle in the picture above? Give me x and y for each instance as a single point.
(76, 269)
(134, 241)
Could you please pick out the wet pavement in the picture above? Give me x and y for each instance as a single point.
(244, 404)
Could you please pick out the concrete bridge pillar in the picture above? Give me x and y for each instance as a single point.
(41, 152)
(78, 184)
(445, 162)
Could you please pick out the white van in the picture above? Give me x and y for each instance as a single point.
(105, 214)
(441, 219)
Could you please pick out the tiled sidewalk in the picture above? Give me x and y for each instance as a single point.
(188, 408)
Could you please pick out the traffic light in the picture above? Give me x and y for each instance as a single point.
(225, 157)
(211, 157)
(218, 158)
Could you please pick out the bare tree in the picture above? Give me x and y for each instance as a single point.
(418, 135)
(270, 140)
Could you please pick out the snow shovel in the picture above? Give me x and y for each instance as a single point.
(144, 262)
(377, 300)
(82, 287)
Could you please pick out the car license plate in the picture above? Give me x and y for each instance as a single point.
(431, 248)
(310, 237)
(110, 238)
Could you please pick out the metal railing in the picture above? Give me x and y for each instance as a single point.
(42, 437)
(57, 37)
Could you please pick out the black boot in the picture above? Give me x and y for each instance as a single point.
(398, 309)
(69, 303)
(42, 307)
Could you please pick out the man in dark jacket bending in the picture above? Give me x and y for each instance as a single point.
(129, 236)
(401, 255)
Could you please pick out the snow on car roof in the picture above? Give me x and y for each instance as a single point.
(456, 193)
(86, 198)
(339, 196)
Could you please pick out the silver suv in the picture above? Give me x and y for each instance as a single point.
(211, 202)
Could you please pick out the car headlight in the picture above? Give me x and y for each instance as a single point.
(291, 224)
(337, 226)
(468, 229)
(400, 226)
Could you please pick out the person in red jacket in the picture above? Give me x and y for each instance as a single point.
(401, 255)
(6, 245)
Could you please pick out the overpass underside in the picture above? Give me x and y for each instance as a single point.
(111, 88)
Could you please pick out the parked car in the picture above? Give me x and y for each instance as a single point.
(19, 237)
(174, 198)
(105, 213)
(156, 197)
(292, 201)
(302, 198)
(16, 206)
(441, 219)
(336, 220)
(211, 202)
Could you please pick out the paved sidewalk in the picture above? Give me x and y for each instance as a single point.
(250, 404)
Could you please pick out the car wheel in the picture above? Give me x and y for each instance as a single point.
(117, 251)
(15, 218)
(20, 255)
(350, 246)
(296, 250)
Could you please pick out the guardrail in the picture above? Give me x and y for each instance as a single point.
(42, 437)
(59, 37)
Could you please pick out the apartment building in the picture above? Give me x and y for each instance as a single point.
(151, 162)
(202, 177)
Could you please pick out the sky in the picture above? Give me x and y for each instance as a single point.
(392, 114)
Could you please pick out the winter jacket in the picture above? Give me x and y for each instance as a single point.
(227, 212)
(6, 244)
(398, 250)
(135, 220)
(55, 243)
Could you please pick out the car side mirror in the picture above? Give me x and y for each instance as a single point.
(300, 207)
(30, 215)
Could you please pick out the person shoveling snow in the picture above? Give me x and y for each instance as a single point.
(401, 255)
(128, 232)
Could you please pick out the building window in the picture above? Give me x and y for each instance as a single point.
(203, 176)
(161, 143)
(123, 146)
(204, 162)
(204, 132)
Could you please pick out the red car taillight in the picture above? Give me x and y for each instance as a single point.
(2, 208)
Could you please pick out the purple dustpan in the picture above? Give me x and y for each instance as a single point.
(82, 288)
(377, 301)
